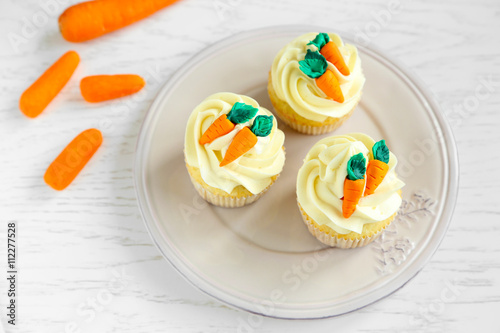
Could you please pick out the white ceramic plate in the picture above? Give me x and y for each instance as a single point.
(261, 258)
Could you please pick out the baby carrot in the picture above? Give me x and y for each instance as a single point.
(36, 98)
(72, 159)
(314, 65)
(354, 184)
(239, 113)
(331, 52)
(245, 139)
(377, 168)
(91, 19)
(100, 88)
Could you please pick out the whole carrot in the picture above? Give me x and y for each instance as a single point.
(245, 139)
(91, 19)
(100, 88)
(72, 159)
(354, 184)
(378, 167)
(239, 113)
(314, 65)
(331, 52)
(36, 98)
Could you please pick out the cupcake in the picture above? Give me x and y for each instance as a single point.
(315, 82)
(347, 190)
(233, 149)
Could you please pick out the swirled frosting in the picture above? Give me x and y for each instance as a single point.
(301, 92)
(254, 169)
(320, 184)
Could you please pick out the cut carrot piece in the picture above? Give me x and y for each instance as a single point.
(36, 98)
(91, 19)
(100, 88)
(330, 85)
(332, 53)
(72, 159)
(242, 142)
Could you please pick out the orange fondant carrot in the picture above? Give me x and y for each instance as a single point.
(221, 126)
(247, 137)
(100, 88)
(91, 19)
(72, 159)
(36, 98)
(314, 65)
(239, 113)
(378, 167)
(332, 53)
(330, 85)
(354, 184)
(353, 191)
(242, 142)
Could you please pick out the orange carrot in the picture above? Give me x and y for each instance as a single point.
(354, 184)
(100, 88)
(315, 66)
(353, 190)
(246, 138)
(221, 126)
(242, 142)
(377, 168)
(91, 19)
(72, 159)
(330, 85)
(239, 113)
(36, 98)
(332, 53)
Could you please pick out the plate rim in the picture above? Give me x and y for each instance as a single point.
(417, 86)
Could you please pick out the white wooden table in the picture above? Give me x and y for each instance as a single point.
(85, 260)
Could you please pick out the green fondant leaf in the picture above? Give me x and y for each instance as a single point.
(356, 167)
(241, 113)
(380, 151)
(314, 64)
(320, 40)
(262, 125)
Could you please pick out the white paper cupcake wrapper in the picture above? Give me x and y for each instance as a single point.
(336, 241)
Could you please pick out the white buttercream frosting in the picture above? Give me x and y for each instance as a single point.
(301, 92)
(320, 184)
(254, 170)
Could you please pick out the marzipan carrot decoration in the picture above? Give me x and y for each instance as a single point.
(36, 98)
(245, 139)
(354, 184)
(240, 113)
(91, 19)
(331, 52)
(378, 167)
(314, 65)
(72, 159)
(100, 88)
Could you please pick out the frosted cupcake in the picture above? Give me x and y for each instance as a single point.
(233, 149)
(347, 190)
(315, 82)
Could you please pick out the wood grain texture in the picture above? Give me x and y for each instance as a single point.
(74, 245)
